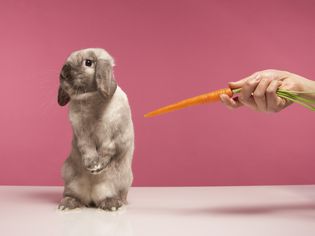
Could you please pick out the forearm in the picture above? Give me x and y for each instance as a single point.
(87, 149)
(107, 150)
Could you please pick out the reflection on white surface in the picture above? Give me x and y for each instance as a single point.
(219, 211)
(95, 222)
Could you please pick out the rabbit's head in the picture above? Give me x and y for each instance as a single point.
(85, 71)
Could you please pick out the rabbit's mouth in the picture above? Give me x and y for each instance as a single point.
(83, 88)
(79, 89)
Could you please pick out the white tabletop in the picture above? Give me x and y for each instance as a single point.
(264, 210)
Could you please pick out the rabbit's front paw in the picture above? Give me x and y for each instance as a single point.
(96, 169)
(94, 165)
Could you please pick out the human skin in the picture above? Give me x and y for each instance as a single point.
(258, 91)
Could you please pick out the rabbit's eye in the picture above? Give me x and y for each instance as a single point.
(88, 63)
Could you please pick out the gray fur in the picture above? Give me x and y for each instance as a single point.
(98, 169)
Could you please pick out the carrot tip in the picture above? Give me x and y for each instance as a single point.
(200, 99)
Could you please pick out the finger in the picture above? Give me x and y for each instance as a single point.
(260, 94)
(230, 102)
(237, 84)
(247, 90)
(274, 102)
(240, 83)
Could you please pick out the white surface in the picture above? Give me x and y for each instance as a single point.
(277, 210)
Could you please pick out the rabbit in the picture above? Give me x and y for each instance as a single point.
(98, 170)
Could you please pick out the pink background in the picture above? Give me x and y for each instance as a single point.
(165, 51)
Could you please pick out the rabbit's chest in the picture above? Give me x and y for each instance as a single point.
(95, 126)
(82, 121)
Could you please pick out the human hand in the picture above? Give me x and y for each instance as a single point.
(258, 91)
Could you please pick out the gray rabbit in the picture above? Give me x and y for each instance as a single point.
(98, 170)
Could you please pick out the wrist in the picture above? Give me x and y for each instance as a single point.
(305, 85)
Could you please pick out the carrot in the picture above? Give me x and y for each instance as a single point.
(201, 99)
(293, 96)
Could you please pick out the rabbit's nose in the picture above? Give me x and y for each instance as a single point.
(66, 71)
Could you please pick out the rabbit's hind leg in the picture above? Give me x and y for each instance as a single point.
(69, 203)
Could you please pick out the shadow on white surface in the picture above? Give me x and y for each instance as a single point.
(280, 210)
(288, 209)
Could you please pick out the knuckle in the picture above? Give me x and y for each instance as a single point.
(264, 80)
(270, 91)
(256, 75)
(269, 73)
(248, 83)
(259, 95)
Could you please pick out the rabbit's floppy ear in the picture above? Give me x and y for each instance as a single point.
(105, 81)
(63, 97)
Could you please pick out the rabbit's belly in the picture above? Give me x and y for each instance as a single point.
(89, 193)
(102, 190)
(109, 185)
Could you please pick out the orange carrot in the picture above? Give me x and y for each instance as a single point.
(293, 96)
(201, 99)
